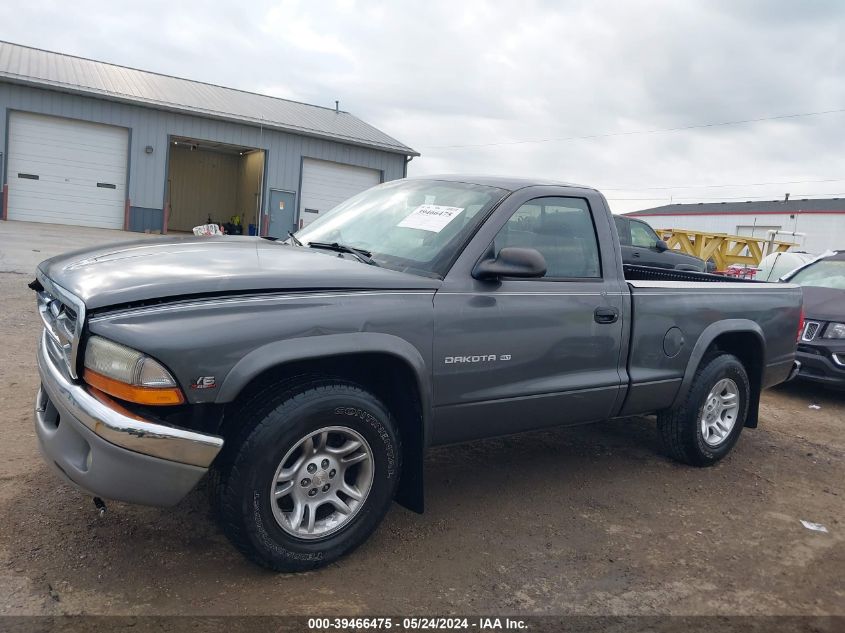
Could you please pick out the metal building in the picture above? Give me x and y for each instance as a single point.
(814, 225)
(90, 143)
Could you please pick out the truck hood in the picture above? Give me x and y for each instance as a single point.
(173, 268)
(824, 304)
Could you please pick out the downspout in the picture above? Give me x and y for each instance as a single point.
(4, 191)
(408, 159)
(259, 203)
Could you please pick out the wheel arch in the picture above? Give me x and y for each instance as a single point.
(742, 338)
(387, 366)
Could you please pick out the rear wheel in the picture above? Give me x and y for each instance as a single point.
(706, 425)
(311, 477)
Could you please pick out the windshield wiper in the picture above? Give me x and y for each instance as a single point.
(360, 253)
(294, 239)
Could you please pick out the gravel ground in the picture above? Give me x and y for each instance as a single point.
(590, 520)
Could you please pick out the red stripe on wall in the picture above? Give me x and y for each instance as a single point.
(5, 213)
(126, 215)
(637, 214)
(166, 218)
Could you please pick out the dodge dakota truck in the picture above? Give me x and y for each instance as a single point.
(308, 377)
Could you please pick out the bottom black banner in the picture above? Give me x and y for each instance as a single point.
(403, 624)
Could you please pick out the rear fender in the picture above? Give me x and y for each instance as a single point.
(705, 343)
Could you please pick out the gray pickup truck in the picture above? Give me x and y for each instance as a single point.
(308, 377)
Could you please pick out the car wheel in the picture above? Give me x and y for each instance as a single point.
(311, 477)
(706, 425)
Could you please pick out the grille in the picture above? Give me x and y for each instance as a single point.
(811, 328)
(63, 316)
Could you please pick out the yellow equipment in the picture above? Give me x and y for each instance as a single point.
(722, 248)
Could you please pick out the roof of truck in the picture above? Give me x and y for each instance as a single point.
(502, 182)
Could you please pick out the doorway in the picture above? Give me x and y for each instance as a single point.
(213, 182)
(281, 213)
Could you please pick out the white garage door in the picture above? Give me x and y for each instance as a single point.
(66, 172)
(325, 185)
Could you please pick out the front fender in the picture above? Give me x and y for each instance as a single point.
(325, 346)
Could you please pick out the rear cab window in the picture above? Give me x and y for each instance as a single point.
(623, 230)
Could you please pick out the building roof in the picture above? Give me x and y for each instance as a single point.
(57, 71)
(817, 205)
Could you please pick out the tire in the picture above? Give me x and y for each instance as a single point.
(274, 442)
(687, 433)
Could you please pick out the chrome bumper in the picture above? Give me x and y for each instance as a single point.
(122, 428)
(110, 452)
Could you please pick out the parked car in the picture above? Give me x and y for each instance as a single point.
(821, 349)
(642, 246)
(311, 376)
(776, 265)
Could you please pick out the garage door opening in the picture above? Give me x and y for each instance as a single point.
(211, 182)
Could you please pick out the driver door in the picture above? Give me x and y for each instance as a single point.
(516, 354)
(644, 246)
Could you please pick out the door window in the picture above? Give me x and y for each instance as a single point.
(643, 235)
(562, 230)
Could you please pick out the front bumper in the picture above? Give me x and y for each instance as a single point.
(821, 365)
(110, 452)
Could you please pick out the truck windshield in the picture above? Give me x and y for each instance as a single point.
(416, 226)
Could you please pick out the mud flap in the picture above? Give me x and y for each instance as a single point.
(411, 493)
(753, 415)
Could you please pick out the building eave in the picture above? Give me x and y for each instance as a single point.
(200, 112)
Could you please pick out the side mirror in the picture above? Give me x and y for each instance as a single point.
(512, 262)
(661, 246)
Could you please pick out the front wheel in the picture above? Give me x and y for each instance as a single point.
(706, 425)
(312, 479)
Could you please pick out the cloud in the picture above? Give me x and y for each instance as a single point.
(441, 73)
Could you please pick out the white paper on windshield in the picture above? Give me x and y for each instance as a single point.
(431, 217)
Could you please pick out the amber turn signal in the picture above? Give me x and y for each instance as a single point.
(156, 396)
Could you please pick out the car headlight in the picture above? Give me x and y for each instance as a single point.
(834, 330)
(128, 374)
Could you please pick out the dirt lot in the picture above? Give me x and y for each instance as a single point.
(590, 520)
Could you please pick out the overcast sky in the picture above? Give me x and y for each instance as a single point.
(470, 84)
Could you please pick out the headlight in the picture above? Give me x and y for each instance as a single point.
(834, 330)
(128, 374)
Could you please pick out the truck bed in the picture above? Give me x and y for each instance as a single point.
(649, 273)
(675, 315)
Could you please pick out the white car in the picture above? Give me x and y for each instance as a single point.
(776, 265)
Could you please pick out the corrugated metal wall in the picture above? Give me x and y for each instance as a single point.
(148, 127)
(823, 230)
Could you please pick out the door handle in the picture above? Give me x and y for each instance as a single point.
(635, 254)
(606, 315)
